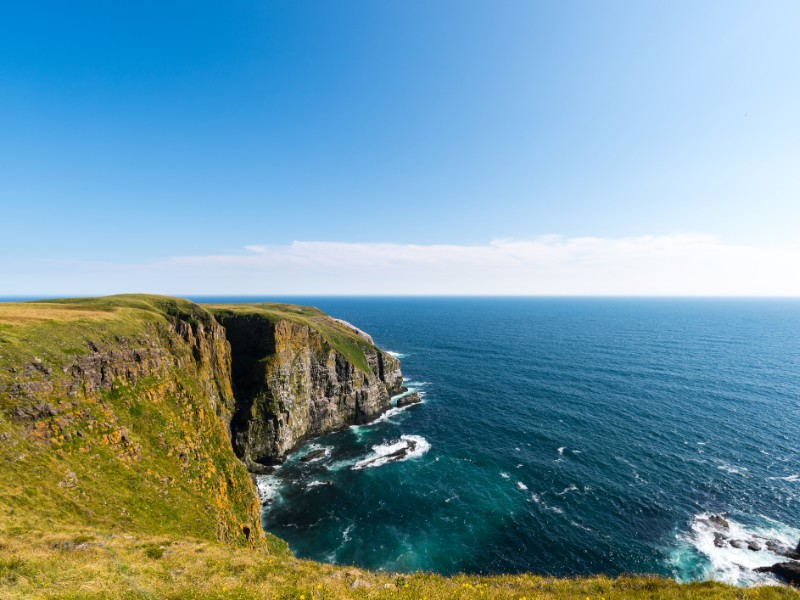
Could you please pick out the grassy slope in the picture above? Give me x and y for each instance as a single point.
(149, 458)
(149, 527)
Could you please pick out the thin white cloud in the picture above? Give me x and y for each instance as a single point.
(675, 264)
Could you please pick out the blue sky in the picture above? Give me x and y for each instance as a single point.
(232, 137)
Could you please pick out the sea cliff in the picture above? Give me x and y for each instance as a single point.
(299, 374)
(130, 396)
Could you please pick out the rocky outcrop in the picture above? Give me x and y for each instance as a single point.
(291, 384)
(788, 571)
(408, 399)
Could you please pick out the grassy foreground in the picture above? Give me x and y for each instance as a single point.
(86, 563)
(125, 486)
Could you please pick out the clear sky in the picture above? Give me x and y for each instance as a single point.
(376, 147)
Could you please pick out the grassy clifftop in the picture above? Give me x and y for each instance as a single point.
(117, 477)
(113, 415)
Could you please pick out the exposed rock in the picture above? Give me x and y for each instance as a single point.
(782, 550)
(291, 385)
(398, 454)
(314, 454)
(408, 399)
(719, 540)
(360, 584)
(363, 334)
(34, 412)
(788, 571)
(738, 544)
(754, 546)
(719, 522)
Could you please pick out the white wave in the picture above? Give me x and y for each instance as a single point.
(787, 478)
(522, 486)
(268, 487)
(346, 533)
(417, 384)
(566, 490)
(313, 448)
(725, 562)
(561, 450)
(732, 470)
(538, 499)
(579, 526)
(382, 453)
(504, 475)
(316, 483)
(396, 354)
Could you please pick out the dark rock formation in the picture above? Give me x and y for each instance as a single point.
(399, 454)
(719, 522)
(412, 398)
(291, 384)
(313, 455)
(782, 550)
(788, 571)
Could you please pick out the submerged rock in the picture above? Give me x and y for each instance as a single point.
(738, 544)
(754, 546)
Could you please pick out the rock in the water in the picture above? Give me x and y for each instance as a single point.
(788, 571)
(782, 550)
(719, 522)
(754, 546)
(719, 540)
(314, 454)
(412, 398)
(738, 544)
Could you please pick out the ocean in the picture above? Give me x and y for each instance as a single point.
(561, 437)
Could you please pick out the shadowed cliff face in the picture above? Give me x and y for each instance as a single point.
(291, 384)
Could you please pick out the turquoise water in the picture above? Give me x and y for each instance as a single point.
(562, 436)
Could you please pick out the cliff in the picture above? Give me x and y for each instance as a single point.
(108, 403)
(298, 373)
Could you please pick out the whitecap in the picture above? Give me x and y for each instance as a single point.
(732, 470)
(395, 354)
(566, 490)
(522, 486)
(382, 454)
(561, 450)
(268, 487)
(787, 478)
(504, 475)
(725, 562)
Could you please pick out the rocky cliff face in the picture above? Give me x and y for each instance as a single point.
(144, 412)
(292, 384)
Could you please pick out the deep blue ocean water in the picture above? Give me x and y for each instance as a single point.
(562, 437)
